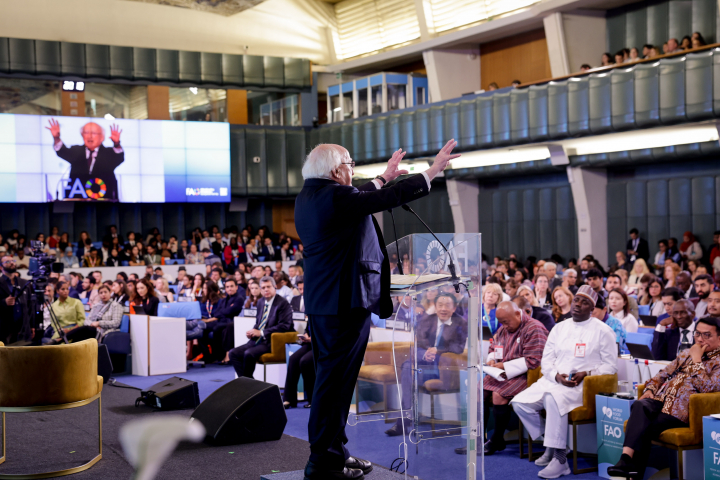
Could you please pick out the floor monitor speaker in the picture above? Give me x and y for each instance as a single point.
(173, 394)
(242, 411)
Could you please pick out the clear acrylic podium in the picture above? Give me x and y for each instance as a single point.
(422, 365)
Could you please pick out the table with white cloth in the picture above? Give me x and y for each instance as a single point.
(158, 345)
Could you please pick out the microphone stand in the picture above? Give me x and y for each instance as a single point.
(397, 248)
(451, 265)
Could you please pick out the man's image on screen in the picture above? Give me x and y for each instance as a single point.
(91, 161)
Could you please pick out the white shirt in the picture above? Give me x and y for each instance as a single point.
(559, 356)
(701, 309)
(440, 323)
(629, 322)
(378, 184)
(285, 292)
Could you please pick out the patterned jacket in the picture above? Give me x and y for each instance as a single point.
(682, 378)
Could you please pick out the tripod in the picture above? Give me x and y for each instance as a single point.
(54, 322)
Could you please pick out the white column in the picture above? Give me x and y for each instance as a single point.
(463, 196)
(585, 37)
(422, 20)
(557, 49)
(589, 190)
(452, 72)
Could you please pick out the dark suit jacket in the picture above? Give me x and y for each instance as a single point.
(229, 307)
(295, 303)
(454, 335)
(279, 318)
(106, 162)
(544, 317)
(643, 250)
(346, 264)
(665, 345)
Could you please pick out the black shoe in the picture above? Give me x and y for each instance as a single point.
(307, 405)
(624, 468)
(395, 431)
(461, 450)
(312, 472)
(363, 465)
(288, 405)
(492, 447)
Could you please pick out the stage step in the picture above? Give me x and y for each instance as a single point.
(378, 473)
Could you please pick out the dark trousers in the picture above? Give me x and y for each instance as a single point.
(213, 347)
(81, 333)
(300, 362)
(245, 357)
(228, 337)
(338, 343)
(646, 423)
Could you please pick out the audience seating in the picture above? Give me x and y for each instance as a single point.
(449, 366)
(378, 367)
(277, 350)
(639, 338)
(691, 438)
(42, 379)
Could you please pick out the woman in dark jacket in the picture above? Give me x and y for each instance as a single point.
(146, 297)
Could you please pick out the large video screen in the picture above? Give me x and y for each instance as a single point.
(44, 159)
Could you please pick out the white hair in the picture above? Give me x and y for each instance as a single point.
(323, 159)
(550, 265)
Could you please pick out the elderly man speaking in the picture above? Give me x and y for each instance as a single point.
(574, 350)
(347, 277)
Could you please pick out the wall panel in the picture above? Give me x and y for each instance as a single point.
(521, 57)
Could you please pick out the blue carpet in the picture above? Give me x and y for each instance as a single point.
(434, 460)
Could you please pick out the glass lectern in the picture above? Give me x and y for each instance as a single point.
(416, 400)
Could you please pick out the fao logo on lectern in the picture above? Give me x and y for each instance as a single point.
(607, 411)
(434, 256)
(715, 436)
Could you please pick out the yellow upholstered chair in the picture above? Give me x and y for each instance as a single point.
(449, 367)
(533, 376)
(41, 379)
(378, 367)
(690, 438)
(278, 340)
(586, 413)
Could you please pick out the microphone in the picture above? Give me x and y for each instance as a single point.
(451, 266)
(397, 248)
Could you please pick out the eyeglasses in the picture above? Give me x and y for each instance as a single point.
(705, 335)
(352, 164)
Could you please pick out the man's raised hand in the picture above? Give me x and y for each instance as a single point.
(54, 128)
(392, 172)
(442, 159)
(115, 133)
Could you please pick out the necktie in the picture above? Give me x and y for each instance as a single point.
(439, 336)
(89, 160)
(263, 321)
(684, 341)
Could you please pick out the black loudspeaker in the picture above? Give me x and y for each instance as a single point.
(105, 366)
(173, 394)
(242, 411)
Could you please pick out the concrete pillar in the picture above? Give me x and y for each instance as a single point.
(574, 40)
(557, 47)
(463, 196)
(589, 190)
(158, 102)
(452, 72)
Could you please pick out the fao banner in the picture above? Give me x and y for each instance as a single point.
(611, 414)
(711, 447)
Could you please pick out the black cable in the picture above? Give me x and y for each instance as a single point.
(113, 383)
(396, 468)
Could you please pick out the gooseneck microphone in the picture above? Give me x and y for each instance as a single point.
(451, 265)
(397, 248)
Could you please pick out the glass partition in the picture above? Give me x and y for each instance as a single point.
(396, 96)
(417, 393)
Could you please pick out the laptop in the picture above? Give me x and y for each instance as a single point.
(486, 333)
(648, 320)
(641, 351)
(139, 310)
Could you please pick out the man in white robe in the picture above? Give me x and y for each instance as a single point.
(574, 350)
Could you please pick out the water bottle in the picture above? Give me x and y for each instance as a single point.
(635, 389)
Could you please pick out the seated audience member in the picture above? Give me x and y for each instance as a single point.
(197, 287)
(594, 279)
(69, 311)
(684, 282)
(69, 259)
(517, 347)
(216, 276)
(274, 314)
(652, 294)
(21, 260)
(614, 282)
(690, 248)
(569, 280)
(158, 273)
(162, 289)
(211, 295)
(152, 257)
(234, 253)
(193, 257)
(621, 262)
(669, 297)
(574, 349)
(675, 334)
(294, 274)
(492, 294)
(562, 303)
(146, 297)
(619, 308)
(283, 285)
(181, 274)
(713, 301)
(209, 258)
(113, 259)
(239, 276)
(550, 269)
(220, 317)
(511, 287)
(529, 306)
(639, 269)
(300, 362)
(253, 294)
(704, 285)
(543, 292)
(92, 259)
(436, 334)
(665, 403)
(89, 287)
(135, 259)
(298, 302)
(185, 287)
(105, 317)
(268, 271)
(119, 294)
(601, 313)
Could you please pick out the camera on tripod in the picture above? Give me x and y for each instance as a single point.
(41, 265)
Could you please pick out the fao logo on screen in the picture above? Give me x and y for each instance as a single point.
(206, 192)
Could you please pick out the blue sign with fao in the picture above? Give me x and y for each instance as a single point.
(711, 447)
(611, 414)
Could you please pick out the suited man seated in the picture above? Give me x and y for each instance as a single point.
(92, 160)
(675, 334)
(298, 301)
(274, 314)
(226, 309)
(438, 333)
